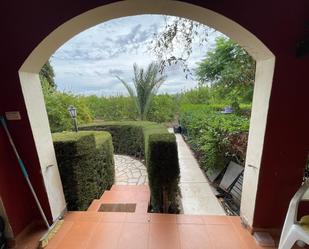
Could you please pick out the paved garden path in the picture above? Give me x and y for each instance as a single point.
(197, 195)
(129, 171)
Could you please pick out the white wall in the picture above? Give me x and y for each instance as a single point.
(34, 100)
(262, 90)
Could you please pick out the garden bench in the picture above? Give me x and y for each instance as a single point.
(230, 187)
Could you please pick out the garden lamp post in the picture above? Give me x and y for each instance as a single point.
(73, 114)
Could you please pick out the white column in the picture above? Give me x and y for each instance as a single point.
(34, 100)
(262, 91)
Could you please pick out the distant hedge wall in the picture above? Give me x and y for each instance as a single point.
(86, 165)
(153, 142)
(127, 137)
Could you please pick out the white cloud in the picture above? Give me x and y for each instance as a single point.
(87, 64)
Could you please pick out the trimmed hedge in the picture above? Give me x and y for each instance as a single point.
(153, 142)
(86, 165)
(127, 137)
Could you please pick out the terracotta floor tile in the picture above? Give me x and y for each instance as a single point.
(224, 237)
(141, 196)
(63, 230)
(78, 236)
(134, 236)
(163, 218)
(216, 220)
(142, 207)
(113, 217)
(105, 236)
(91, 217)
(244, 234)
(83, 216)
(94, 206)
(73, 215)
(194, 237)
(189, 219)
(118, 196)
(137, 218)
(163, 236)
(136, 188)
(132, 230)
(28, 239)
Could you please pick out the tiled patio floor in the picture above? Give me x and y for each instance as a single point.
(141, 230)
(94, 230)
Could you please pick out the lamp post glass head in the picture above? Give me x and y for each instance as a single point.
(72, 111)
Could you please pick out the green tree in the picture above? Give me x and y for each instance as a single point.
(198, 95)
(229, 69)
(177, 30)
(146, 84)
(164, 108)
(47, 76)
(57, 104)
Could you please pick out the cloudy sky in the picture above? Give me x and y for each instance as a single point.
(87, 64)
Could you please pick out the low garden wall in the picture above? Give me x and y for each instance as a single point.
(158, 147)
(86, 165)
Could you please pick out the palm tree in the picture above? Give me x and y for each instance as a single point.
(146, 84)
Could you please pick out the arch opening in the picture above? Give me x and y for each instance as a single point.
(37, 114)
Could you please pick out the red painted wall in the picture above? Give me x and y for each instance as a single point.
(14, 191)
(279, 24)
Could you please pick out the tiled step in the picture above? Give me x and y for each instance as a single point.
(95, 205)
(120, 194)
(142, 188)
(124, 196)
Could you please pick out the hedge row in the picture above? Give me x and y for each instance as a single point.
(153, 142)
(215, 137)
(127, 136)
(86, 165)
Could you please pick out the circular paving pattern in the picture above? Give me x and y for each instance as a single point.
(129, 171)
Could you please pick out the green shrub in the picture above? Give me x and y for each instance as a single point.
(115, 108)
(153, 142)
(214, 136)
(57, 104)
(127, 136)
(198, 95)
(163, 108)
(163, 171)
(111, 108)
(86, 165)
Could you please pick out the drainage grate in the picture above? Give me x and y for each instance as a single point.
(118, 207)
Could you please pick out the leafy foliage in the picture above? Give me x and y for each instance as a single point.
(47, 75)
(182, 31)
(229, 69)
(115, 108)
(57, 104)
(146, 84)
(164, 108)
(111, 108)
(214, 135)
(199, 95)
